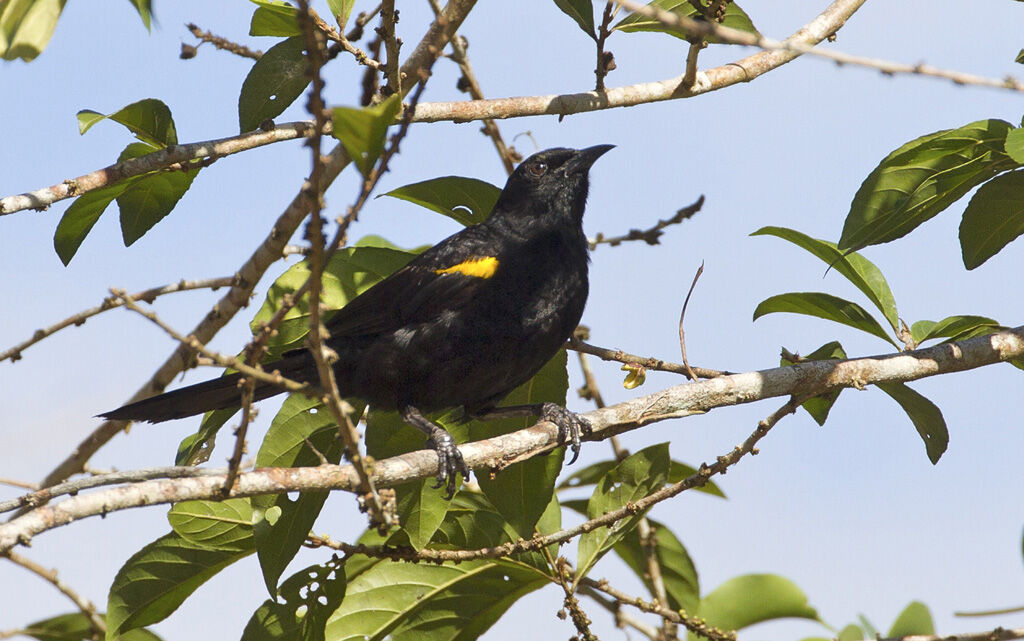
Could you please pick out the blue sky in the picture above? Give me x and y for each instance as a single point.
(852, 512)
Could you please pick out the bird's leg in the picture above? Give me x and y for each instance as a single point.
(449, 459)
(571, 426)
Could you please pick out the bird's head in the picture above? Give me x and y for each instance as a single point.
(550, 181)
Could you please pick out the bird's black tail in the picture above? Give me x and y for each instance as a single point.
(217, 394)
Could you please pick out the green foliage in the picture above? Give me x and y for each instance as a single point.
(273, 84)
(26, 27)
(274, 18)
(925, 415)
(301, 607)
(824, 306)
(465, 200)
(678, 573)
(76, 626)
(994, 217)
(220, 525)
(951, 327)
(301, 432)
(341, 9)
(362, 131)
(143, 200)
(864, 275)
(923, 177)
(159, 577)
(634, 478)
(677, 471)
(745, 600)
(819, 406)
(915, 619)
(582, 12)
(735, 18)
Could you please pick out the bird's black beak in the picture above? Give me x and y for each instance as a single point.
(584, 158)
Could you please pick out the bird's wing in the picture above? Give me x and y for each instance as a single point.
(440, 279)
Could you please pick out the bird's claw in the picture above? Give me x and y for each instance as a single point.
(449, 462)
(571, 426)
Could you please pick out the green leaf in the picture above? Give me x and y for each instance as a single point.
(466, 200)
(994, 217)
(949, 327)
(341, 10)
(824, 306)
(363, 131)
(922, 178)
(522, 492)
(197, 448)
(26, 27)
(348, 273)
(735, 18)
(78, 220)
(852, 632)
(150, 120)
(302, 606)
(635, 477)
(864, 275)
(753, 598)
(302, 428)
(678, 573)
(146, 200)
(158, 578)
(274, 18)
(421, 507)
(582, 11)
(927, 418)
(145, 10)
(273, 83)
(1020, 57)
(77, 626)
(1015, 145)
(915, 619)
(676, 472)
(221, 525)
(819, 406)
(427, 602)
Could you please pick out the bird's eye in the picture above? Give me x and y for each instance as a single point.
(538, 168)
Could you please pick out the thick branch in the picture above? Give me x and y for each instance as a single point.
(803, 380)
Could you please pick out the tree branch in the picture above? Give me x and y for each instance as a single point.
(799, 381)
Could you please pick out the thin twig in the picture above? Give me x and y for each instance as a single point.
(25, 485)
(563, 577)
(317, 261)
(622, 618)
(682, 315)
(220, 43)
(388, 22)
(605, 59)
(111, 302)
(651, 235)
(645, 361)
(705, 29)
(96, 622)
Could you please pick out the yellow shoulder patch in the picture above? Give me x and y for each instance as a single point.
(478, 267)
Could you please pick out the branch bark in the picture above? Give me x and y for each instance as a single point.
(803, 380)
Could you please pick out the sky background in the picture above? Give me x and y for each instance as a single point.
(853, 512)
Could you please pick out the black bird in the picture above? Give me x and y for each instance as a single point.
(461, 325)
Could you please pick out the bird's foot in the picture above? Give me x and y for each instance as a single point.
(571, 426)
(449, 461)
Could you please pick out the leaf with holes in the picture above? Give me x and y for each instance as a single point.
(858, 270)
(303, 604)
(925, 415)
(636, 477)
(465, 200)
(824, 306)
(922, 178)
(994, 217)
(273, 83)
